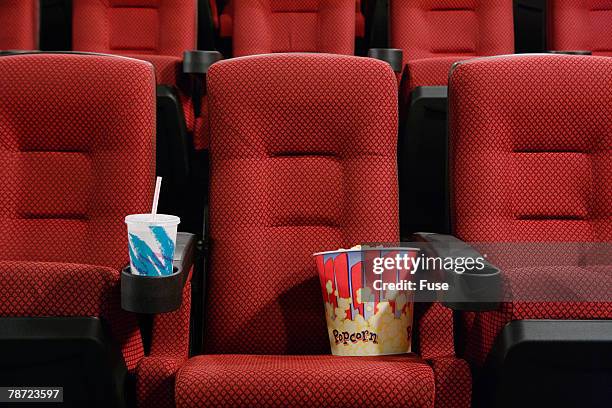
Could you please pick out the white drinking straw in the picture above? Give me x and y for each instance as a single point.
(156, 197)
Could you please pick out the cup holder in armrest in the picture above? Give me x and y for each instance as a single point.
(392, 56)
(152, 294)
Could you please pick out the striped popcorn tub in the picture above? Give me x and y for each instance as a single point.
(363, 319)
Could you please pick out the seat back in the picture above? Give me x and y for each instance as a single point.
(224, 21)
(451, 28)
(19, 24)
(269, 26)
(531, 147)
(126, 27)
(77, 158)
(580, 25)
(303, 159)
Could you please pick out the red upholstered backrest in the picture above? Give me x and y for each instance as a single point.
(445, 28)
(153, 27)
(19, 24)
(76, 158)
(580, 25)
(267, 26)
(303, 159)
(531, 147)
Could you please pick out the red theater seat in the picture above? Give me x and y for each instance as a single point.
(303, 159)
(530, 162)
(19, 24)
(224, 22)
(263, 27)
(78, 158)
(580, 25)
(436, 33)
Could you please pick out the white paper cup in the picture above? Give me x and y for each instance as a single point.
(151, 243)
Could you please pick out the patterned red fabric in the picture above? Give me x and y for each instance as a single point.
(263, 27)
(157, 31)
(288, 159)
(226, 26)
(155, 375)
(304, 381)
(549, 181)
(453, 382)
(19, 24)
(435, 33)
(580, 25)
(434, 336)
(70, 180)
(153, 27)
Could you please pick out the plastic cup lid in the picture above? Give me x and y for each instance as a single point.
(147, 219)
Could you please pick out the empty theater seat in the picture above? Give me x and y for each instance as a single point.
(303, 159)
(225, 21)
(580, 25)
(531, 161)
(78, 158)
(19, 25)
(263, 27)
(433, 35)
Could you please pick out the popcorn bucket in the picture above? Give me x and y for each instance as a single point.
(365, 317)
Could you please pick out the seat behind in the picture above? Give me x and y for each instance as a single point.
(19, 24)
(155, 30)
(263, 27)
(303, 159)
(580, 25)
(444, 31)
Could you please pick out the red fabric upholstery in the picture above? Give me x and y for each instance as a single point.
(226, 26)
(435, 33)
(158, 31)
(169, 350)
(548, 181)
(277, 183)
(263, 27)
(453, 382)
(19, 24)
(580, 25)
(304, 381)
(77, 160)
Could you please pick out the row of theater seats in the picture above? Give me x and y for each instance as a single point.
(281, 157)
(433, 34)
(303, 159)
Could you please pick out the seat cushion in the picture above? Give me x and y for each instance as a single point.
(304, 381)
(51, 289)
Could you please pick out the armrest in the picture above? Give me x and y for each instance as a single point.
(198, 62)
(571, 52)
(393, 56)
(473, 290)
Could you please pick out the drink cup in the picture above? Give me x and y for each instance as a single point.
(361, 319)
(151, 243)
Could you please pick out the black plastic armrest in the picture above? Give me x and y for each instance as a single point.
(392, 56)
(571, 52)
(198, 62)
(474, 290)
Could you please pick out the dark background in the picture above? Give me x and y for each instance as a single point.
(529, 19)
